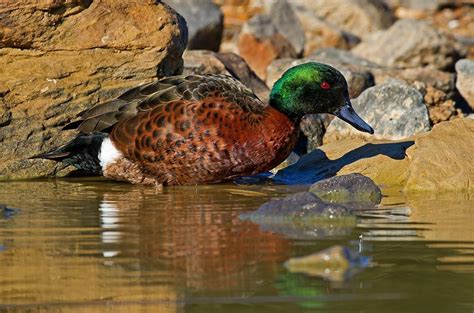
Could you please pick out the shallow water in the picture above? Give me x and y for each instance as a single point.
(83, 245)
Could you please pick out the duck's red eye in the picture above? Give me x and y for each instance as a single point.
(325, 85)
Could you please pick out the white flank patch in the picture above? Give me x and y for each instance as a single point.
(108, 153)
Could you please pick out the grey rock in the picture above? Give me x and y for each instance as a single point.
(320, 33)
(287, 24)
(205, 22)
(314, 126)
(298, 206)
(410, 43)
(261, 26)
(359, 17)
(465, 80)
(353, 190)
(343, 57)
(394, 109)
(303, 215)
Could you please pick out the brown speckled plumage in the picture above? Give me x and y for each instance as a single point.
(192, 129)
(202, 128)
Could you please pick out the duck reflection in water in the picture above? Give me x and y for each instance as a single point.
(194, 235)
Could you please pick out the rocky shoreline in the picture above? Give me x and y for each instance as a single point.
(410, 69)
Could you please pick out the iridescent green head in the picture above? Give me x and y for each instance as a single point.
(313, 88)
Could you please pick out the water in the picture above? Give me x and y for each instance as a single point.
(82, 245)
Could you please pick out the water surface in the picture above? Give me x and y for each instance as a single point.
(82, 245)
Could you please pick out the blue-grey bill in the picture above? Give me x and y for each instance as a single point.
(347, 114)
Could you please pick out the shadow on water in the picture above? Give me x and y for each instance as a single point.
(316, 165)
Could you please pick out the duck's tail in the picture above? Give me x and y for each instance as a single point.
(82, 152)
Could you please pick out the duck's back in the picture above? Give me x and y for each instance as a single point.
(190, 129)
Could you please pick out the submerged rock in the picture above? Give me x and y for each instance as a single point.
(77, 58)
(7, 212)
(394, 109)
(465, 80)
(439, 160)
(336, 264)
(303, 215)
(205, 22)
(354, 190)
(401, 46)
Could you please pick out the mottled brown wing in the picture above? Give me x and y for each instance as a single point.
(147, 97)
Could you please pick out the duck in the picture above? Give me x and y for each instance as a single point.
(202, 129)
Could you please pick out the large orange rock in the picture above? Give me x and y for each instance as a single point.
(439, 160)
(74, 55)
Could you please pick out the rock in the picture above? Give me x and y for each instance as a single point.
(401, 47)
(394, 110)
(443, 158)
(88, 57)
(322, 34)
(437, 79)
(260, 43)
(29, 26)
(208, 62)
(359, 17)
(382, 161)
(313, 127)
(440, 107)
(354, 190)
(439, 160)
(465, 80)
(205, 23)
(303, 215)
(357, 78)
(202, 62)
(287, 24)
(335, 264)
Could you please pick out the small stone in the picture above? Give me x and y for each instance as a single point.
(440, 107)
(205, 23)
(355, 190)
(465, 80)
(401, 47)
(394, 110)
